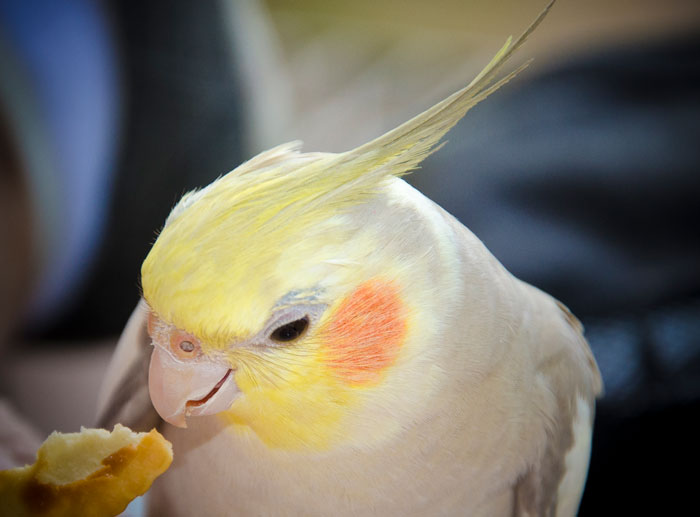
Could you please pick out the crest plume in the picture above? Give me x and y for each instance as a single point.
(283, 175)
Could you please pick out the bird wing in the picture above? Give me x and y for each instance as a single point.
(554, 485)
(124, 396)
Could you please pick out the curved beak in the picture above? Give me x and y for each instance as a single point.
(180, 389)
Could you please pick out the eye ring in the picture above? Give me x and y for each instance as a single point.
(290, 331)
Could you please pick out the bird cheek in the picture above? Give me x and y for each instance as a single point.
(365, 333)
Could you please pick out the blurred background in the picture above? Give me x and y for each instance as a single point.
(582, 176)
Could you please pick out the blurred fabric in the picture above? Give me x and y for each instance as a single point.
(61, 97)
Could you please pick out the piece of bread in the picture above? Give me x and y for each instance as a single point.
(91, 473)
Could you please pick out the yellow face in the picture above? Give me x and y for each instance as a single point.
(307, 370)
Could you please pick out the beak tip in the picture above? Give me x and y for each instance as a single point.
(177, 421)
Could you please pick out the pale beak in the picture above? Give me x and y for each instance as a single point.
(180, 389)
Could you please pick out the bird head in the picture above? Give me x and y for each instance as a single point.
(302, 291)
(286, 320)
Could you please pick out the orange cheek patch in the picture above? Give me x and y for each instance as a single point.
(365, 333)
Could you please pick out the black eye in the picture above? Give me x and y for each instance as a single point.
(290, 331)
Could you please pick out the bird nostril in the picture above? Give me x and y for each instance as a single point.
(186, 346)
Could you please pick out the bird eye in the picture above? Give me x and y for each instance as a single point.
(290, 331)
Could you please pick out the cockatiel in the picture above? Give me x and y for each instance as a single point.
(328, 341)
